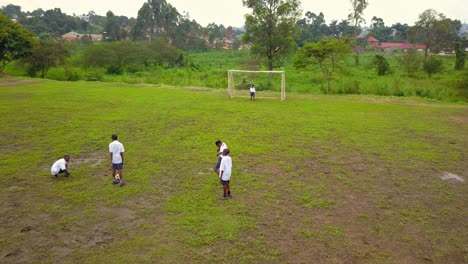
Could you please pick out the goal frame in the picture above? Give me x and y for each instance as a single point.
(231, 87)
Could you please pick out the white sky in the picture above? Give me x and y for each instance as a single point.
(231, 12)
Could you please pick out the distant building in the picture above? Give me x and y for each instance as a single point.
(386, 46)
(401, 46)
(75, 36)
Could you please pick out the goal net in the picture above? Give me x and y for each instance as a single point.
(268, 84)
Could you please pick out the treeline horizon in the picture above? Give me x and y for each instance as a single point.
(160, 19)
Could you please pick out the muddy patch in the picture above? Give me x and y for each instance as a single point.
(91, 160)
(459, 119)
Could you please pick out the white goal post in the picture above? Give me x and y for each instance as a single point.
(268, 84)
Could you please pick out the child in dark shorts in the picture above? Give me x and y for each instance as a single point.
(225, 170)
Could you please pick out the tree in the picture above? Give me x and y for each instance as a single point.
(432, 66)
(111, 28)
(15, 41)
(155, 18)
(356, 16)
(434, 30)
(44, 55)
(379, 30)
(459, 57)
(445, 34)
(325, 54)
(312, 28)
(381, 65)
(399, 32)
(410, 62)
(13, 11)
(271, 29)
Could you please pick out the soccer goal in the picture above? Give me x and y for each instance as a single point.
(268, 84)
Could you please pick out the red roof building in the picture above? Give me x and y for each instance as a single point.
(391, 45)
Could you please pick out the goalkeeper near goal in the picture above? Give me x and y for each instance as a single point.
(252, 92)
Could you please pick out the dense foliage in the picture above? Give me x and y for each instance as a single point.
(15, 41)
(271, 29)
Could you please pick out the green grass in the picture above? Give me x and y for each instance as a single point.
(318, 179)
(210, 70)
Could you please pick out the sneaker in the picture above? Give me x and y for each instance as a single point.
(114, 181)
(56, 175)
(223, 197)
(122, 183)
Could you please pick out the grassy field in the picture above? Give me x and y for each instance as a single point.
(317, 179)
(210, 70)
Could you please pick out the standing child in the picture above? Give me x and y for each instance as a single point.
(116, 150)
(219, 153)
(252, 92)
(225, 170)
(61, 166)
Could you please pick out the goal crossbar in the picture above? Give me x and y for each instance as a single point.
(232, 84)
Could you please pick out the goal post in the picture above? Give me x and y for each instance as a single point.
(268, 84)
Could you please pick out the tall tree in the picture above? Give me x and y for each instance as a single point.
(380, 31)
(15, 41)
(325, 54)
(422, 29)
(356, 17)
(434, 30)
(156, 18)
(111, 28)
(271, 28)
(400, 32)
(312, 27)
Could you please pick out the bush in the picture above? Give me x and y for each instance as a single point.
(410, 62)
(432, 66)
(381, 65)
(463, 85)
(72, 74)
(94, 74)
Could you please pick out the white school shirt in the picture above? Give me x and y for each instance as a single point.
(58, 165)
(252, 89)
(223, 147)
(226, 168)
(115, 147)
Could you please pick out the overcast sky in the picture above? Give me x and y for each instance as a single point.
(231, 12)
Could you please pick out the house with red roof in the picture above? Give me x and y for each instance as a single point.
(401, 46)
(386, 46)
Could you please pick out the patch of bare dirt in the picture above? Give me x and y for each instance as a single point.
(459, 119)
(4, 83)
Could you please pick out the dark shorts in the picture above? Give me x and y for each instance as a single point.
(218, 164)
(118, 166)
(252, 94)
(224, 182)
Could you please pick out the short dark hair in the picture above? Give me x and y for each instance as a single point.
(66, 157)
(218, 142)
(114, 137)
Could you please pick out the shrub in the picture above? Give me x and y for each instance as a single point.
(72, 74)
(94, 74)
(410, 62)
(432, 66)
(381, 65)
(463, 84)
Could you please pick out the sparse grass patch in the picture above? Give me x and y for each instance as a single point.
(330, 179)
